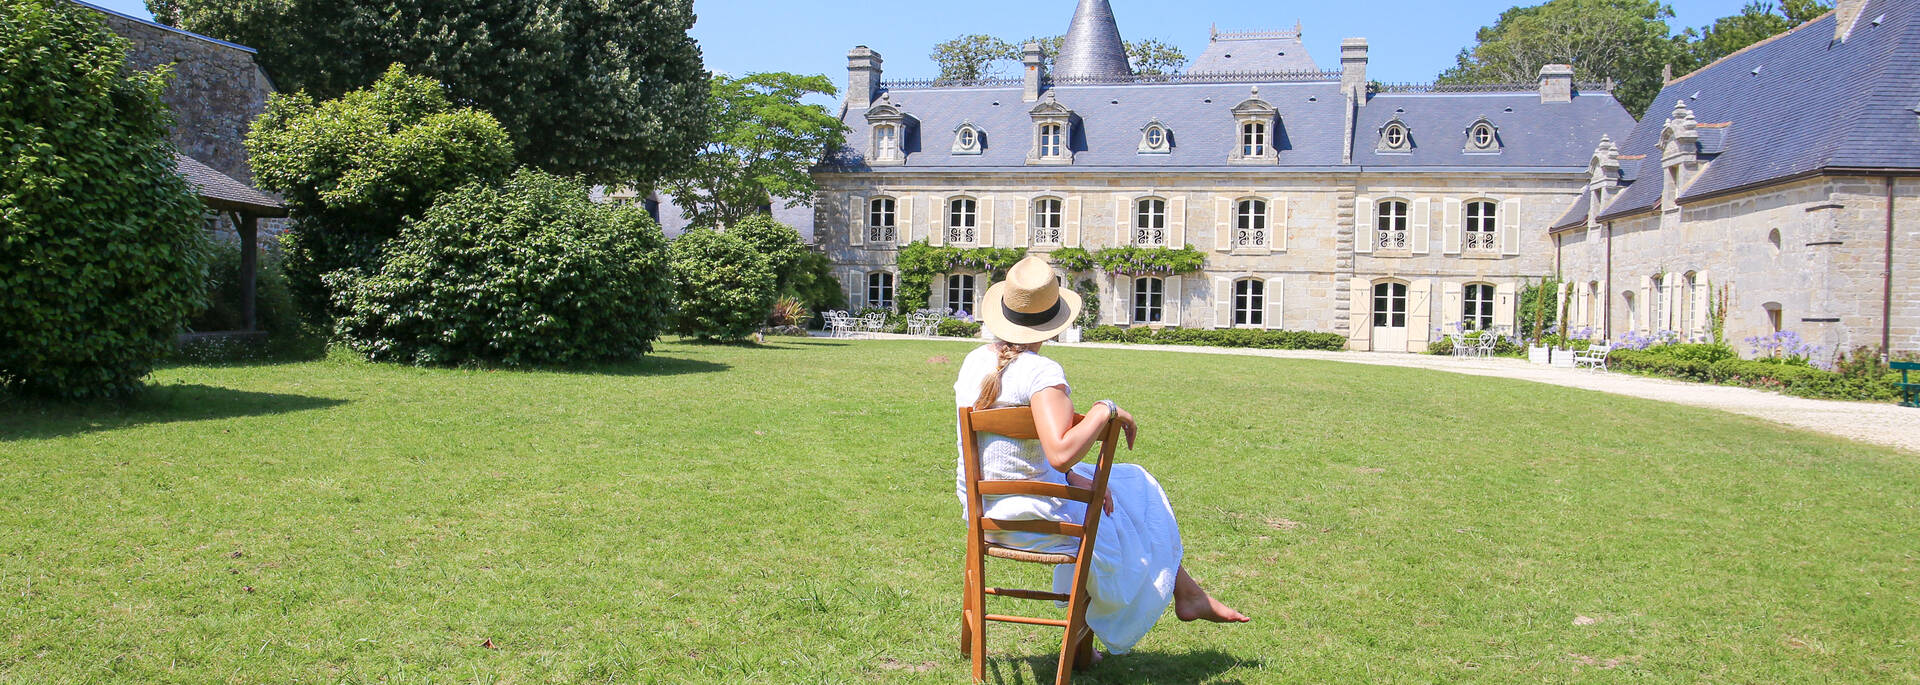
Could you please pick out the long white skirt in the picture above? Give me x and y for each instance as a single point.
(1136, 552)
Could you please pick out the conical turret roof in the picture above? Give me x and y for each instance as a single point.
(1092, 48)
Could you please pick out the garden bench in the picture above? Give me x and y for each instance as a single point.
(1909, 391)
(1594, 357)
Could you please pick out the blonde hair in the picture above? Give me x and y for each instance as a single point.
(990, 386)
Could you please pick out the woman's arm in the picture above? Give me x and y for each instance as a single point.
(1065, 443)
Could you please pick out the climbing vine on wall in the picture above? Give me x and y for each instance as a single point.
(920, 262)
(1074, 259)
(1150, 261)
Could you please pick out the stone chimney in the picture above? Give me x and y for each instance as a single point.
(1353, 69)
(1556, 83)
(1846, 13)
(863, 77)
(1035, 62)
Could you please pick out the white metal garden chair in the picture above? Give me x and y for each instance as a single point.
(1594, 357)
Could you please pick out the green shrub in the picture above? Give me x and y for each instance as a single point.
(1717, 364)
(815, 284)
(955, 328)
(524, 272)
(723, 287)
(1228, 337)
(1504, 347)
(353, 170)
(101, 260)
(777, 242)
(272, 306)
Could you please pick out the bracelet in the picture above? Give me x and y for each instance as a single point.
(1113, 410)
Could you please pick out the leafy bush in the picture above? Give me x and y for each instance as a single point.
(523, 272)
(920, 262)
(1089, 303)
(777, 242)
(101, 260)
(353, 170)
(955, 328)
(1228, 337)
(815, 284)
(1073, 259)
(723, 287)
(1717, 364)
(273, 304)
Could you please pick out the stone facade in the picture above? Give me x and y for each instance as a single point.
(217, 90)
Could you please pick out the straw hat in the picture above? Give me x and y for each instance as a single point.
(1029, 305)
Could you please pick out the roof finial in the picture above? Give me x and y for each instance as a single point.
(1092, 48)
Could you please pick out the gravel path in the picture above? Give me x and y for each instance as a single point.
(1871, 422)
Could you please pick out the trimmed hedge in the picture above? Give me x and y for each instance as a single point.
(955, 328)
(1698, 364)
(1231, 337)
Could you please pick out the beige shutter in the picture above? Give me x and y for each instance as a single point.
(856, 221)
(1419, 314)
(1222, 224)
(1701, 292)
(1071, 237)
(1022, 235)
(903, 218)
(1276, 303)
(856, 289)
(1505, 306)
(985, 233)
(938, 297)
(1509, 227)
(937, 227)
(1673, 303)
(1645, 315)
(1363, 223)
(1177, 221)
(1450, 306)
(1359, 314)
(1422, 223)
(1170, 305)
(1122, 299)
(1451, 223)
(1278, 213)
(1122, 219)
(1222, 303)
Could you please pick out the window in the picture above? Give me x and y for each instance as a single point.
(1390, 305)
(1156, 137)
(1773, 315)
(1632, 311)
(1253, 139)
(960, 293)
(1150, 221)
(1476, 311)
(1483, 136)
(886, 141)
(1249, 302)
(961, 217)
(1250, 224)
(1654, 296)
(1480, 226)
(1046, 221)
(1148, 296)
(1395, 137)
(1051, 141)
(1393, 225)
(880, 290)
(967, 138)
(1688, 328)
(880, 222)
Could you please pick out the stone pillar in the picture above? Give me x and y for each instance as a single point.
(1556, 83)
(1035, 61)
(1353, 70)
(863, 77)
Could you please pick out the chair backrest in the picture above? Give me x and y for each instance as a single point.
(1017, 423)
(1904, 366)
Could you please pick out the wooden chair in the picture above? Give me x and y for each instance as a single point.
(1076, 648)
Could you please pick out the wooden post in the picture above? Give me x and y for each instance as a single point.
(249, 226)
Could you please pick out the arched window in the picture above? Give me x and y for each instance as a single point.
(1148, 298)
(960, 293)
(1150, 221)
(880, 220)
(1392, 225)
(1253, 139)
(962, 215)
(1481, 226)
(1249, 302)
(1250, 224)
(880, 290)
(1476, 309)
(1390, 305)
(1052, 141)
(1046, 221)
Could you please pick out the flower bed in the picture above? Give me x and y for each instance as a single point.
(1862, 379)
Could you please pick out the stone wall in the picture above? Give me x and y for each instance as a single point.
(216, 91)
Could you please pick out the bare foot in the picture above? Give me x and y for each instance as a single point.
(1204, 607)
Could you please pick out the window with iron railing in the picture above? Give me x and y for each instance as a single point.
(1391, 229)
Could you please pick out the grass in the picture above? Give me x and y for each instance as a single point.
(785, 514)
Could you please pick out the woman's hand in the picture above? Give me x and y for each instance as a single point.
(1127, 426)
(1079, 481)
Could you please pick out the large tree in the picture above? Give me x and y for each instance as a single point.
(1624, 40)
(612, 91)
(975, 57)
(1756, 22)
(762, 143)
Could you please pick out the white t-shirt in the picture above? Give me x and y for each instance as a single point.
(1004, 458)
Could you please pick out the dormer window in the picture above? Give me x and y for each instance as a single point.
(1255, 130)
(1253, 139)
(1395, 137)
(968, 139)
(886, 142)
(1155, 139)
(1052, 132)
(890, 128)
(1483, 137)
(1050, 140)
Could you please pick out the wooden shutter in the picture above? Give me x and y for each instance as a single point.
(1509, 227)
(1223, 224)
(1359, 314)
(1363, 223)
(1170, 302)
(1505, 306)
(1276, 303)
(984, 222)
(1422, 223)
(1450, 306)
(1645, 315)
(1123, 299)
(1177, 221)
(1701, 294)
(1222, 303)
(1450, 227)
(903, 219)
(857, 221)
(1278, 213)
(1122, 220)
(937, 228)
(1419, 314)
(1022, 231)
(938, 297)
(1071, 233)
(856, 287)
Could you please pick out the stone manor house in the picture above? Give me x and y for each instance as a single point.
(1322, 202)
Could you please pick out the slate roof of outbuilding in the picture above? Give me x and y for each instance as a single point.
(1797, 103)
(1265, 51)
(220, 191)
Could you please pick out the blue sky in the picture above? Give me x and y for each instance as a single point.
(1410, 40)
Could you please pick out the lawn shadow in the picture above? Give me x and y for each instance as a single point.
(651, 365)
(1136, 667)
(23, 419)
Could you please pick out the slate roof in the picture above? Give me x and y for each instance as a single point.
(1109, 117)
(220, 191)
(1575, 216)
(1253, 51)
(164, 27)
(1091, 47)
(1797, 103)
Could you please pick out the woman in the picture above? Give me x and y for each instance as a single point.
(1136, 570)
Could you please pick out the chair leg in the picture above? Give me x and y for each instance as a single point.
(975, 642)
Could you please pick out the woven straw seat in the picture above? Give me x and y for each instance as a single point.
(1017, 554)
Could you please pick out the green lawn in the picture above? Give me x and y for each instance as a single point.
(786, 514)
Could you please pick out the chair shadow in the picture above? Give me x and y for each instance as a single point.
(27, 419)
(1136, 667)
